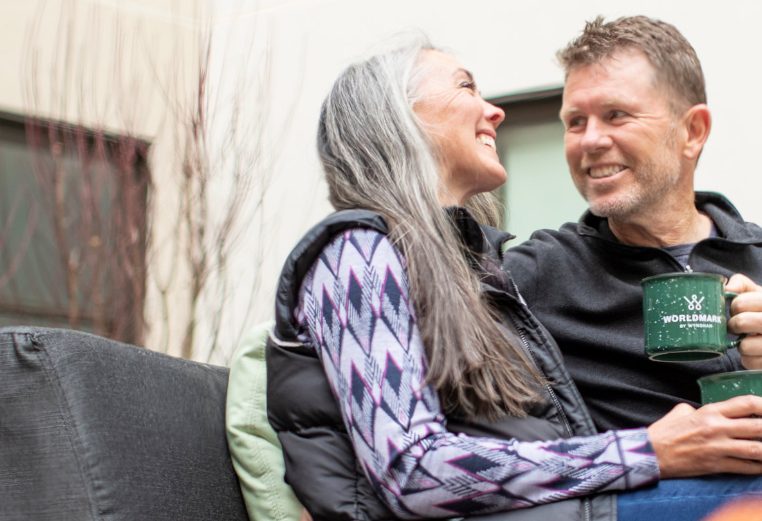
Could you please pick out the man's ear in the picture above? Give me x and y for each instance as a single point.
(698, 124)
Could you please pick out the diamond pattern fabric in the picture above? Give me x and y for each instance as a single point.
(355, 310)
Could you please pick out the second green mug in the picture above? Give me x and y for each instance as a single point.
(684, 316)
(723, 386)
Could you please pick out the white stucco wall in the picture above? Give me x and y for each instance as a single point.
(511, 45)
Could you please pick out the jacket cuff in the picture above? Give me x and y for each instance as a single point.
(636, 456)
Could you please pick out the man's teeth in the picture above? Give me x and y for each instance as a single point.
(605, 171)
(484, 139)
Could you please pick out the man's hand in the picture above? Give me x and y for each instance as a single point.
(718, 437)
(746, 317)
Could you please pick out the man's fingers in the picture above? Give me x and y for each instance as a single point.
(740, 283)
(748, 302)
(746, 318)
(747, 430)
(738, 407)
(750, 350)
(741, 466)
(718, 437)
(748, 322)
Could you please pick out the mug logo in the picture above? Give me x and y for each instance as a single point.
(694, 303)
(696, 319)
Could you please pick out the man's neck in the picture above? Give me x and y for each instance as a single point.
(662, 228)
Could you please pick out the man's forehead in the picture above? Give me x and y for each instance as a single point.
(616, 84)
(614, 73)
(618, 60)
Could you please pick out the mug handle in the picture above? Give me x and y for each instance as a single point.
(730, 295)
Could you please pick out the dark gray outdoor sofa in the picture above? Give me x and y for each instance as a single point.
(92, 429)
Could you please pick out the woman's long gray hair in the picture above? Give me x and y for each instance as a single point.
(376, 156)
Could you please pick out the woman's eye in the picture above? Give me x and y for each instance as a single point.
(470, 85)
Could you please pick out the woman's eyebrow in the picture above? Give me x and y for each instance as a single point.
(464, 71)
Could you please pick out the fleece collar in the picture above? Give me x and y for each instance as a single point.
(728, 221)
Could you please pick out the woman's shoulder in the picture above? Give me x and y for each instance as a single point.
(342, 220)
(359, 250)
(348, 237)
(321, 235)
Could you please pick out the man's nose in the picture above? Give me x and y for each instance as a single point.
(596, 136)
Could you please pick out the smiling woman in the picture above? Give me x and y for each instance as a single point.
(400, 344)
(461, 125)
(418, 150)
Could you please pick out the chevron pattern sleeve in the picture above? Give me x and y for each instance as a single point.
(355, 310)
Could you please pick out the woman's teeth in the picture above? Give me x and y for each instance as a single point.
(484, 139)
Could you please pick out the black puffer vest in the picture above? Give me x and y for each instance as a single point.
(320, 462)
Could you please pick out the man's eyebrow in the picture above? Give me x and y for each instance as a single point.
(607, 104)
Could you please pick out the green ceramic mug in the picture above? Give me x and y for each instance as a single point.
(722, 386)
(684, 315)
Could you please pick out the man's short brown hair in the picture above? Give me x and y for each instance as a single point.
(671, 55)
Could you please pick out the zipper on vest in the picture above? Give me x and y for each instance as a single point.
(557, 404)
(588, 508)
(548, 387)
(586, 501)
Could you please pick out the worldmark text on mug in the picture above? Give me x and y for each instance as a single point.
(684, 315)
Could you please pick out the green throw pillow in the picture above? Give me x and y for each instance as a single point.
(254, 447)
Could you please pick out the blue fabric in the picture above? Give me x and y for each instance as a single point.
(688, 499)
(682, 252)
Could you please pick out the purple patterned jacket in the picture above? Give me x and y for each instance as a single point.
(364, 435)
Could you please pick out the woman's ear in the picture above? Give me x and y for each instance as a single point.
(698, 124)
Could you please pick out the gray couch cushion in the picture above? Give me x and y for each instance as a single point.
(98, 430)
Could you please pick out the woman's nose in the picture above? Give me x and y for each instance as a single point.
(494, 114)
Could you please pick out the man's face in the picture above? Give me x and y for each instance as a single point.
(622, 140)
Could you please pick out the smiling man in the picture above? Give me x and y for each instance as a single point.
(636, 119)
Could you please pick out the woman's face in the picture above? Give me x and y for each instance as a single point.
(461, 125)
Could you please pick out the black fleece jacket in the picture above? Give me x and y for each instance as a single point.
(584, 286)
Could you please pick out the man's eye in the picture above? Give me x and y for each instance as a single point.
(470, 85)
(614, 114)
(575, 122)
